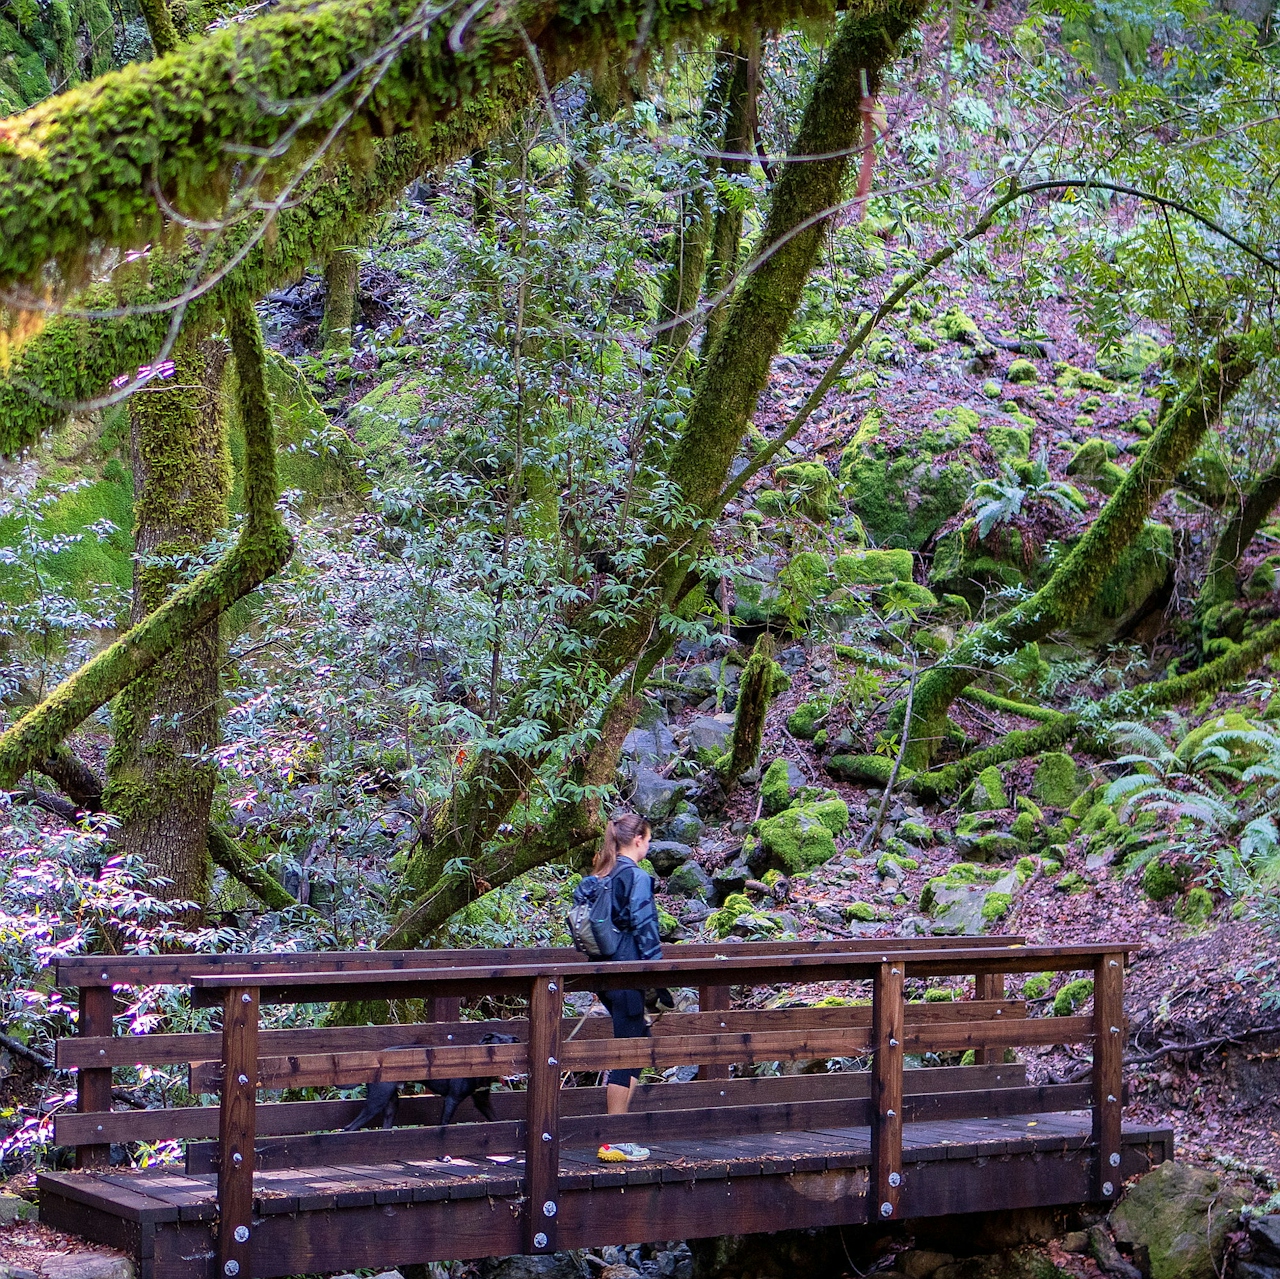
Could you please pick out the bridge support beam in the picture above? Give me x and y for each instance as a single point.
(542, 1121)
(887, 1032)
(236, 1131)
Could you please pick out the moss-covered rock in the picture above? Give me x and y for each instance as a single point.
(1074, 379)
(905, 485)
(970, 567)
(775, 787)
(1161, 881)
(1195, 907)
(1072, 996)
(1023, 372)
(1230, 723)
(1092, 465)
(1055, 782)
(922, 339)
(815, 486)
(910, 597)
(1144, 569)
(804, 836)
(739, 915)
(873, 568)
(1264, 579)
(955, 325)
(1011, 443)
(860, 912)
(916, 832)
(803, 721)
(988, 791)
(874, 769)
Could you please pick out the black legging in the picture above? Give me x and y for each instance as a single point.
(627, 1009)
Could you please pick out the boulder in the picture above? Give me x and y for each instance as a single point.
(1092, 465)
(803, 721)
(804, 836)
(689, 880)
(781, 780)
(1056, 781)
(968, 899)
(709, 732)
(988, 791)
(1131, 587)
(654, 796)
(684, 827)
(653, 745)
(667, 854)
(559, 1265)
(814, 487)
(729, 880)
(1177, 1217)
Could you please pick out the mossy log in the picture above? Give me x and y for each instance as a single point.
(1076, 581)
(262, 549)
(227, 853)
(1220, 584)
(755, 692)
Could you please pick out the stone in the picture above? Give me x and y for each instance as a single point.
(1092, 465)
(804, 836)
(1103, 1251)
(988, 791)
(781, 780)
(694, 911)
(654, 796)
(666, 855)
(1022, 372)
(620, 1271)
(803, 721)
(920, 1263)
(1264, 1233)
(709, 732)
(683, 828)
(1136, 581)
(1180, 1216)
(653, 745)
(1075, 1241)
(86, 1265)
(1056, 781)
(559, 1265)
(13, 1208)
(1253, 1269)
(689, 880)
(728, 880)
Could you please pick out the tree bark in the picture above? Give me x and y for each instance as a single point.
(341, 298)
(755, 692)
(159, 777)
(1220, 584)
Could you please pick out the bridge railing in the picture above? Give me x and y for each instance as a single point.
(241, 1059)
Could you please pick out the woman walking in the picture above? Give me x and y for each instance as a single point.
(626, 841)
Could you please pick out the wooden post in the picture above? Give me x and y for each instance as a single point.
(444, 1008)
(988, 986)
(887, 1015)
(542, 1116)
(1108, 1070)
(236, 1129)
(93, 1087)
(713, 999)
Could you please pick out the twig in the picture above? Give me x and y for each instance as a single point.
(804, 763)
(869, 838)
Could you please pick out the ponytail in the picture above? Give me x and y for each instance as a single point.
(623, 829)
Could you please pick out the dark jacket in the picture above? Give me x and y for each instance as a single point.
(634, 912)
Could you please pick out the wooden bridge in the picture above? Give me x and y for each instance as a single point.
(270, 1188)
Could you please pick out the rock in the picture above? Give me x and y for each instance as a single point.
(1092, 465)
(1075, 1241)
(694, 911)
(689, 880)
(804, 836)
(988, 791)
(1132, 586)
(781, 780)
(1252, 1269)
(1242, 753)
(827, 914)
(559, 1265)
(1180, 1216)
(1103, 1251)
(1022, 372)
(803, 721)
(666, 855)
(814, 488)
(920, 1263)
(13, 1208)
(968, 899)
(905, 485)
(969, 567)
(728, 880)
(86, 1265)
(683, 828)
(674, 1263)
(621, 1271)
(1056, 781)
(1130, 358)
(1264, 1233)
(654, 796)
(709, 732)
(653, 745)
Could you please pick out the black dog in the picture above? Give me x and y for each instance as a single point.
(382, 1100)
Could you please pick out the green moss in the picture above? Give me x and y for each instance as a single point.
(1130, 358)
(1240, 752)
(940, 995)
(988, 791)
(1012, 443)
(1073, 882)
(1144, 567)
(996, 906)
(861, 768)
(816, 487)
(906, 597)
(860, 912)
(922, 339)
(1161, 881)
(1072, 996)
(915, 832)
(803, 837)
(1024, 869)
(956, 326)
(991, 390)
(1023, 828)
(873, 568)
(1196, 907)
(1037, 987)
(803, 720)
(775, 788)
(1023, 372)
(1074, 379)
(889, 862)
(1092, 465)
(1055, 781)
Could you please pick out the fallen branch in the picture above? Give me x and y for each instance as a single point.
(17, 1046)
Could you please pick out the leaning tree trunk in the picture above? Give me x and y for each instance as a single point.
(1075, 583)
(755, 692)
(736, 371)
(160, 779)
(1220, 585)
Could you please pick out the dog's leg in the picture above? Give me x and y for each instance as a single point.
(483, 1104)
(451, 1103)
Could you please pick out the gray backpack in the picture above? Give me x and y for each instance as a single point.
(591, 918)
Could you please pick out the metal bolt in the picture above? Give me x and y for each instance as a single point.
(1114, 1159)
(1115, 1030)
(890, 1113)
(539, 1240)
(551, 1061)
(102, 1052)
(242, 1079)
(1111, 1096)
(886, 1210)
(105, 977)
(237, 1158)
(893, 1043)
(242, 1234)
(546, 1136)
(895, 1179)
(552, 987)
(895, 971)
(99, 1127)
(1115, 963)
(232, 1267)
(549, 1208)
(245, 998)
(1108, 1189)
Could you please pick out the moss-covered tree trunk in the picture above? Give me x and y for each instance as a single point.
(755, 692)
(736, 371)
(160, 779)
(1075, 583)
(726, 234)
(1247, 517)
(341, 297)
